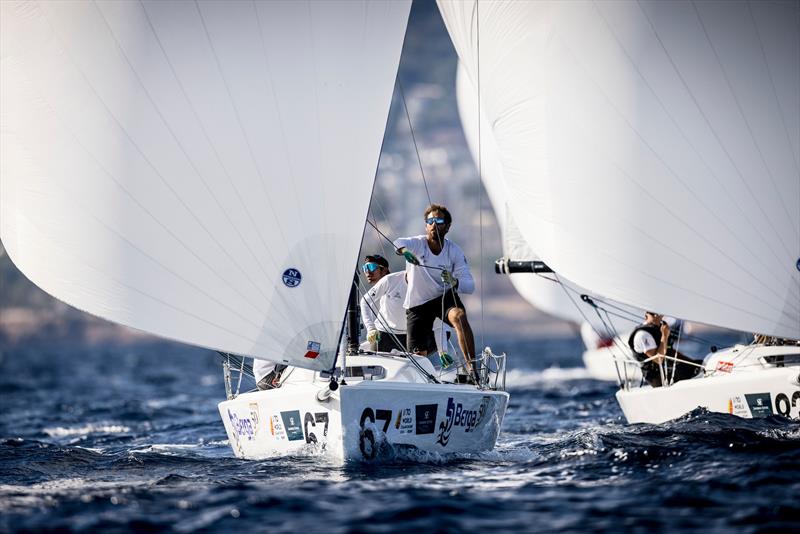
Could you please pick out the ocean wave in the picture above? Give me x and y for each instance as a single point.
(85, 430)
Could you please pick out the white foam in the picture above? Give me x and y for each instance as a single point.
(85, 430)
(167, 448)
(526, 377)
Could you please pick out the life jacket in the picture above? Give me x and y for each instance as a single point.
(652, 329)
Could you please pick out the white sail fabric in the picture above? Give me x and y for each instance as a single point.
(197, 170)
(651, 149)
(541, 292)
(562, 299)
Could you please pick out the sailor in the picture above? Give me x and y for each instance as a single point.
(651, 343)
(436, 271)
(267, 374)
(382, 306)
(384, 315)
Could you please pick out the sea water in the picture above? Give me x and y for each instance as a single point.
(129, 437)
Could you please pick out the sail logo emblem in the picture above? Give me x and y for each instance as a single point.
(292, 278)
(312, 349)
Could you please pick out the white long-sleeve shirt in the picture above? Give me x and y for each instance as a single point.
(425, 284)
(382, 307)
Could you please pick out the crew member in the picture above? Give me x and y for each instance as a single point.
(436, 271)
(650, 343)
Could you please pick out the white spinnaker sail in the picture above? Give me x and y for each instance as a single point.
(562, 299)
(651, 149)
(179, 167)
(539, 291)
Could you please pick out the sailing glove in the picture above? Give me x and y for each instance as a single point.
(449, 279)
(373, 336)
(410, 258)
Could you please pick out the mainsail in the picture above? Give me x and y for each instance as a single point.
(650, 149)
(197, 170)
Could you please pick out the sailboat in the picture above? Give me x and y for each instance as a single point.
(650, 154)
(607, 356)
(202, 171)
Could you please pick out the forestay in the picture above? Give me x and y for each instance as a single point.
(198, 170)
(651, 149)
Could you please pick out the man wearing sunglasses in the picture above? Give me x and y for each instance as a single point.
(382, 308)
(436, 269)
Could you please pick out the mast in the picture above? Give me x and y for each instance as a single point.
(352, 318)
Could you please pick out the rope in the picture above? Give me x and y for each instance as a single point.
(409, 356)
(480, 160)
(414, 139)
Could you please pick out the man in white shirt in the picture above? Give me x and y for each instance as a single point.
(651, 344)
(436, 270)
(382, 308)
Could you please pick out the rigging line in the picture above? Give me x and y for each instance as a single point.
(373, 225)
(746, 122)
(410, 357)
(414, 139)
(189, 160)
(431, 267)
(480, 162)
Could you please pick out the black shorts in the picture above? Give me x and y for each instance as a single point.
(388, 342)
(419, 320)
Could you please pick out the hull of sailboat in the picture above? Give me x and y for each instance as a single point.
(364, 420)
(761, 393)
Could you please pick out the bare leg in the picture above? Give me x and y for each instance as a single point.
(466, 341)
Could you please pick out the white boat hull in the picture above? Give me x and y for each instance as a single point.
(748, 389)
(364, 419)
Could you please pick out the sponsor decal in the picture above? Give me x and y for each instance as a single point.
(293, 425)
(760, 404)
(457, 415)
(724, 367)
(276, 428)
(426, 418)
(291, 277)
(405, 421)
(312, 349)
(254, 416)
(737, 406)
(243, 428)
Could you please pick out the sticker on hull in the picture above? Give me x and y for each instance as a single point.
(293, 425)
(760, 404)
